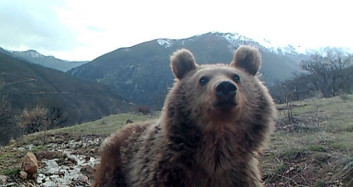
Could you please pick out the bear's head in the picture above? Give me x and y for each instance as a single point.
(226, 97)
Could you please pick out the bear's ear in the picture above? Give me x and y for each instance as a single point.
(182, 62)
(247, 58)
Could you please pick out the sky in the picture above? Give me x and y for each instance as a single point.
(87, 29)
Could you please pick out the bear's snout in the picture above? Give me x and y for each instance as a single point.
(225, 92)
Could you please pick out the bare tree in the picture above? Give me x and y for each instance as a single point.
(56, 117)
(41, 119)
(290, 92)
(34, 120)
(328, 73)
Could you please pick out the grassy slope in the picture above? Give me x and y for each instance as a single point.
(315, 150)
(105, 126)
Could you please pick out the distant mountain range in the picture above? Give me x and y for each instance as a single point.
(142, 74)
(109, 84)
(34, 57)
(26, 85)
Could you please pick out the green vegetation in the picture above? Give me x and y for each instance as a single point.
(10, 159)
(318, 148)
(12, 172)
(320, 184)
(293, 154)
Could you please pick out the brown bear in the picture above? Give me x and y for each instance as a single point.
(215, 121)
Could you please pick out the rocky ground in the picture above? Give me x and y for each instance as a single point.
(66, 157)
(65, 160)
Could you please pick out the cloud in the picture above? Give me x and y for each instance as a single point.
(86, 29)
(33, 24)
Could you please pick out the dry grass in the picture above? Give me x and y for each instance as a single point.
(106, 125)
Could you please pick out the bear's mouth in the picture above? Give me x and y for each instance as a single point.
(223, 111)
(225, 104)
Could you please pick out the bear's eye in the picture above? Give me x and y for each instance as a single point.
(203, 81)
(236, 78)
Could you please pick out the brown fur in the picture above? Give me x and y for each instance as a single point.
(196, 142)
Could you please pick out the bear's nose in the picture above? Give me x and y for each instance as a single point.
(226, 90)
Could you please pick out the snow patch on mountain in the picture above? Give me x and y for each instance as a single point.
(235, 39)
(325, 51)
(165, 42)
(32, 53)
(281, 49)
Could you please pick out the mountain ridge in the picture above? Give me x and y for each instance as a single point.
(34, 57)
(141, 73)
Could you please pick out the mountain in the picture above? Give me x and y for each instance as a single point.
(34, 57)
(25, 85)
(142, 74)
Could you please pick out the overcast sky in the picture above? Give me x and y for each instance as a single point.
(86, 29)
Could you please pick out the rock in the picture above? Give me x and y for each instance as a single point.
(30, 164)
(72, 160)
(87, 170)
(46, 155)
(3, 179)
(34, 176)
(83, 179)
(23, 175)
(11, 184)
(49, 155)
(61, 174)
